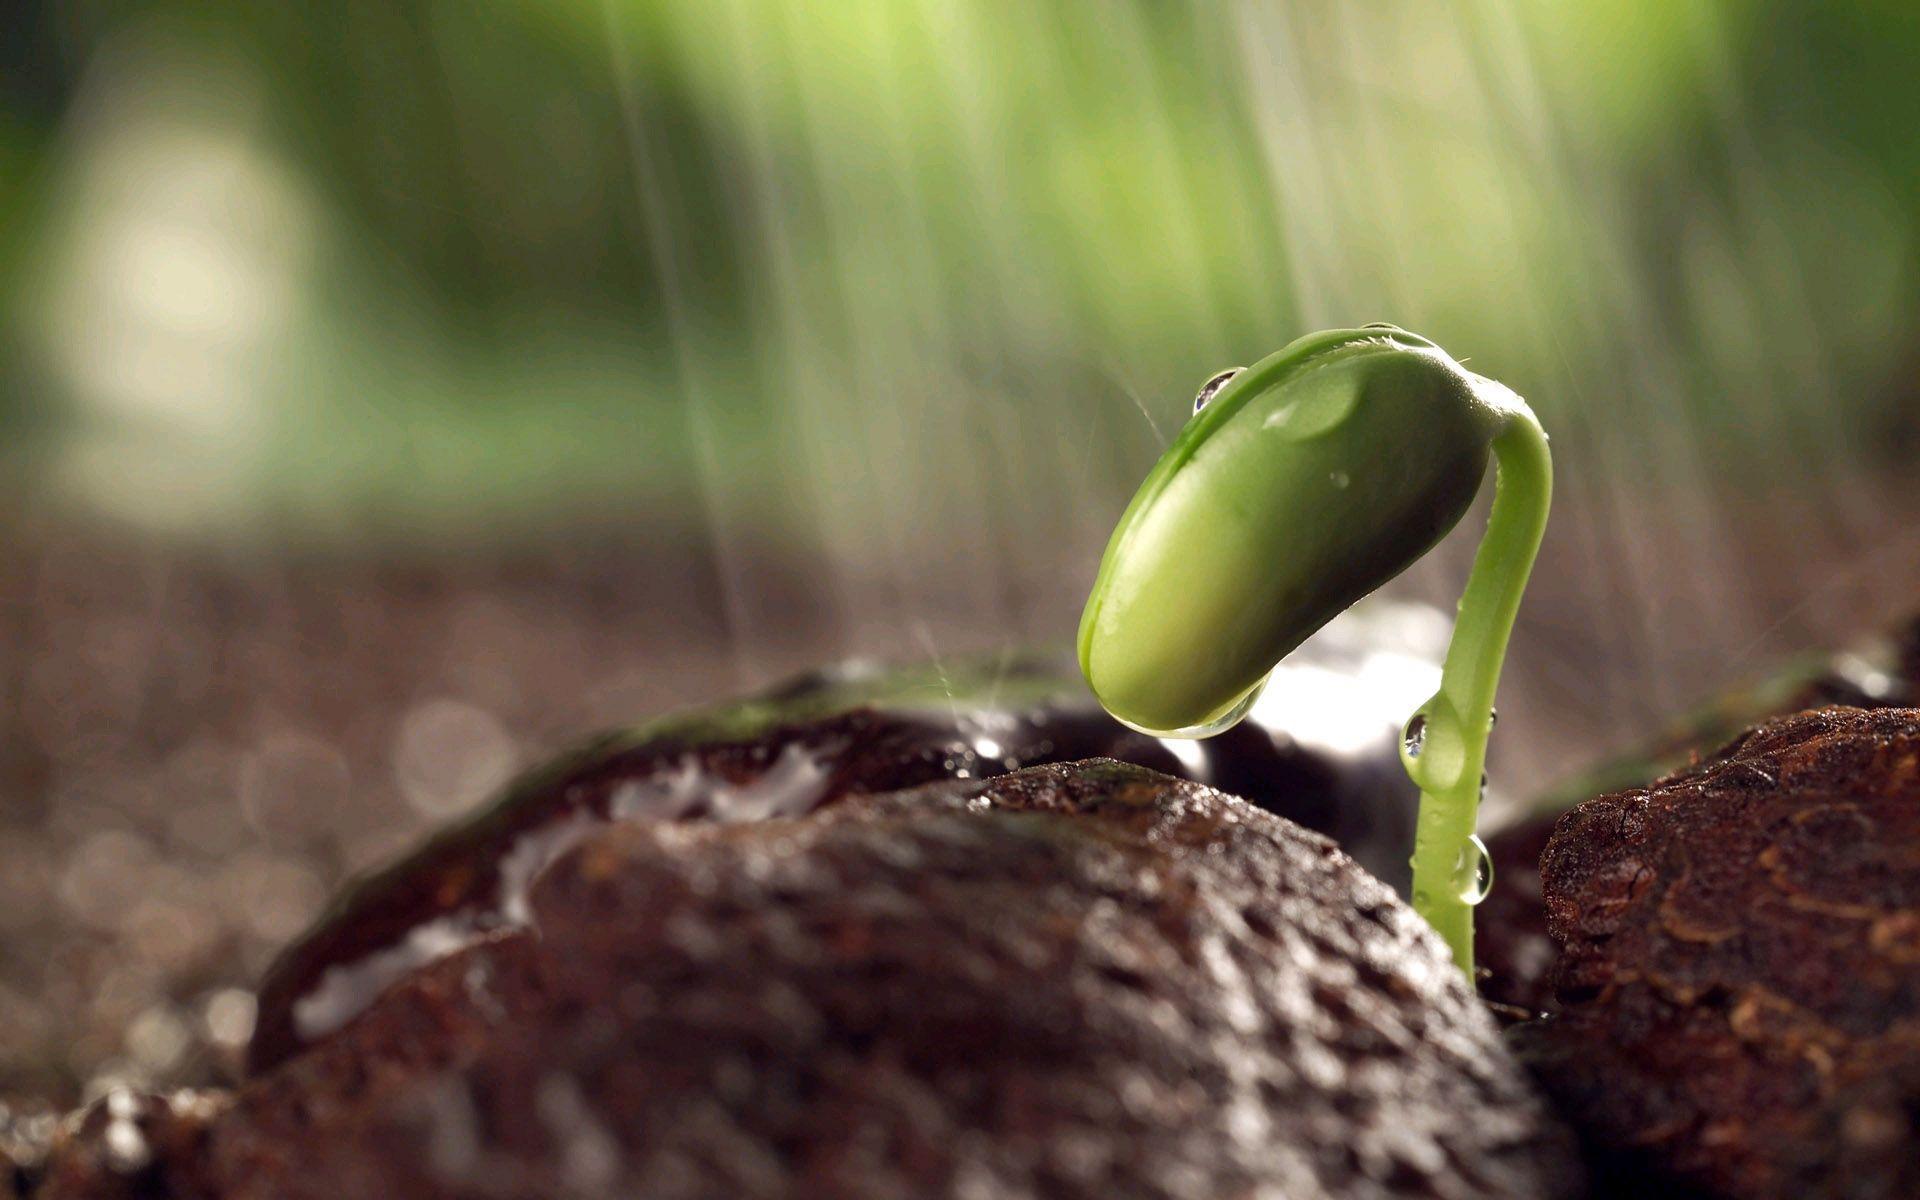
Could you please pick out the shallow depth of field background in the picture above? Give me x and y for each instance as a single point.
(390, 392)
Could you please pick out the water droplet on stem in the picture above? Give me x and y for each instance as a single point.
(1473, 871)
(1433, 748)
(1414, 739)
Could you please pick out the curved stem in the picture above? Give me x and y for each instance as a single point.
(1448, 764)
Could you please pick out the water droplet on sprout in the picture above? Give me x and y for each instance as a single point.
(1319, 411)
(1233, 716)
(1473, 871)
(1211, 387)
(1225, 721)
(1433, 747)
(1340, 479)
(1414, 739)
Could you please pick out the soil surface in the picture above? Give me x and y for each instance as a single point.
(1514, 952)
(846, 732)
(199, 747)
(1739, 972)
(1080, 980)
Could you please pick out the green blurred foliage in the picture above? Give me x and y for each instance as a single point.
(809, 270)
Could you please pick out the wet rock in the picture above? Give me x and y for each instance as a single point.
(128, 1145)
(1082, 980)
(1322, 751)
(1739, 977)
(1513, 950)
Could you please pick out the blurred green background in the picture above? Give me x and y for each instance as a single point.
(894, 299)
(565, 359)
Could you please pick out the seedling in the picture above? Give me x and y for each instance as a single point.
(1301, 484)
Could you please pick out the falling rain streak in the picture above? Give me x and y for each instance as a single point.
(964, 377)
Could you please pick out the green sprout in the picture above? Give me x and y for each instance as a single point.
(1301, 484)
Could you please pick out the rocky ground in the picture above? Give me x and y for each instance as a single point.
(196, 753)
(1738, 974)
(1077, 980)
(196, 749)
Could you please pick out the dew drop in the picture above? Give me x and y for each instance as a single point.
(1473, 871)
(1232, 716)
(1211, 387)
(1414, 739)
(1320, 410)
(1340, 479)
(1433, 748)
(1493, 717)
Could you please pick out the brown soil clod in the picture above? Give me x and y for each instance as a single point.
(1076, 980)
(1738, 989)
(1514, 951)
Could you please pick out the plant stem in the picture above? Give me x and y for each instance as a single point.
(1448, 767)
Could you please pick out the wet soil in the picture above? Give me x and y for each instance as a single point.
(1738, 984)
(1077, 980)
